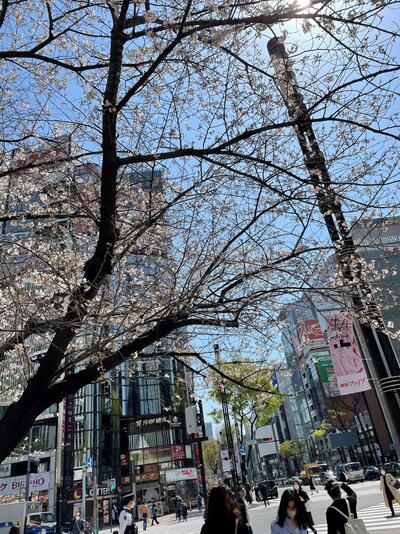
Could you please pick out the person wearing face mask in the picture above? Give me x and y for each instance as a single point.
(291, 517)
(341, 509)
(126, 522)
(390, 491)
(305, 502)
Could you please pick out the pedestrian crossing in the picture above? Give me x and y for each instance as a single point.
(377, 518)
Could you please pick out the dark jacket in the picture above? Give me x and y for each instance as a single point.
(307, 515)
(224, 528)
(335, 520)
(77, 526)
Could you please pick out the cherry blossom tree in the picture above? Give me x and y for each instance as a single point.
(150, 181)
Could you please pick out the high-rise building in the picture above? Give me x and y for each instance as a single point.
(378, 242)
(127, 432)
(209, 430)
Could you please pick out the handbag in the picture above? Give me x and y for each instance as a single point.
(307, 506)
(353, 526)
(396, 484)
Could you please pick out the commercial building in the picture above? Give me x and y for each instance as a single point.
(127, 432)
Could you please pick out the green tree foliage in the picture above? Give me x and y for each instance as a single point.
(251, 396)
(289, 449)
(211, 457)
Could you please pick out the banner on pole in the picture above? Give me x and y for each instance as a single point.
(345, 353)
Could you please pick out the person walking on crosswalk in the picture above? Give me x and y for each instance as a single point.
(306, 503)
(391, 490)
(291, 515)
(337, 513)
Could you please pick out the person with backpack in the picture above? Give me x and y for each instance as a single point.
(78, 524)
(306, 503)
(391, 490)
(342, 513)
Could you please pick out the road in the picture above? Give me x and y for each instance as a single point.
(370, 508)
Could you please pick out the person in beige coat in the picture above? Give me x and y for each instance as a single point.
(390, 492)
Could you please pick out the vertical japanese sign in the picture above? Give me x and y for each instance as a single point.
(345, 353)
(68, 435)
(327, 374)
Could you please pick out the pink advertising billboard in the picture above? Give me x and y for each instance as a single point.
(346, 355)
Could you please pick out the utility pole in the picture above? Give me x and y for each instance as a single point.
(227, 422)
(200, 448)
(28, 467)
(383, 366)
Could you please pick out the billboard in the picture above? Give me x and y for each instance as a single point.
(345, 353)
(313, 330)
(177, 475)
(178, 452)
(326, 372)
(16, 485)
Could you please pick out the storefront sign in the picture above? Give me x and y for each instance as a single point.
(176, 475)
(5, 470)
(178, 452)
(16, 485)
(226, 462)
(147, 477)
(345, 353)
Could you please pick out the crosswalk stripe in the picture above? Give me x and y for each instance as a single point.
(376, 518)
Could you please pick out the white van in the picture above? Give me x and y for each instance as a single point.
(354, 471)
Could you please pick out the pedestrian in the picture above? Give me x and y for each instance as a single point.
(312, 485)
(184, 511)
(249, 498)
(243, 508)
(154, 512)
(145, 514)
(126, 522)
(178, 508)
(78, 524)
(199, 501)
(291, 517)
(390, 488)
(341, 509)
(262, 490)
(13, 530)
(306, 503)
(222, 514)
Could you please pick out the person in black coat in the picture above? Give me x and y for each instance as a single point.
(348, 506)
(78, 525)
(305, 502)
(222, 515)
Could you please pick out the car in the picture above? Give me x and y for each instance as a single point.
(268, 488)
(393, 468)
(371, 473)
(327, 475)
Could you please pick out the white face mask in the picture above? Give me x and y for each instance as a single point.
(291, 513)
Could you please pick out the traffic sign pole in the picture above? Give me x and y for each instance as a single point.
(83, 511)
